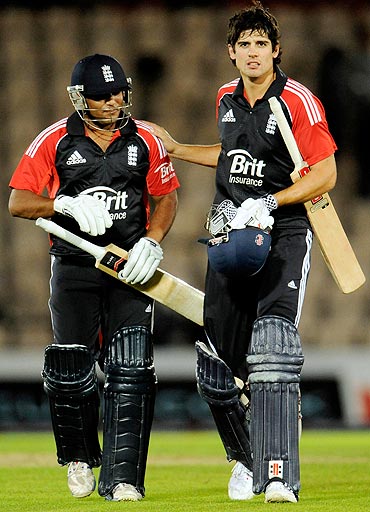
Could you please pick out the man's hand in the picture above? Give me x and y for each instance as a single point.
(89, 212)
(168, 141)
(143, 261)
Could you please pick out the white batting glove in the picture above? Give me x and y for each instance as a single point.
(244, 214)
(89, 212)
(252, 212)
(143, 261)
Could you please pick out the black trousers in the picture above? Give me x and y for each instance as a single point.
(232, 305)
(88, 306)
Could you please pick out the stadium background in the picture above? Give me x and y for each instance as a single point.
(175, 52)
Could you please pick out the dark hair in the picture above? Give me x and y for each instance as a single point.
(254, 18)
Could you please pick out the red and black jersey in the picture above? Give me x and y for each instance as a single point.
(254, 160)
(65, 161)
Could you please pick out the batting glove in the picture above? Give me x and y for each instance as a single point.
(252, 212)
(90, 213)
(143, 261)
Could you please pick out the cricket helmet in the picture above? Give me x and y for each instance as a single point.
(240, 253)
(98, 77)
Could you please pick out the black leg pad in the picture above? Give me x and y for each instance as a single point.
(71, 384)
(275, 362)
(216, 385)
(129, 397)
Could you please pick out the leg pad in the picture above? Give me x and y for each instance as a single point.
(275, 362)
(129, 397)
(216, 385)
(71, 384)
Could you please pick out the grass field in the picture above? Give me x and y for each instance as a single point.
(187, 471)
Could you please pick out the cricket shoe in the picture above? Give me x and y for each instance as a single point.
(279, 492)
(125, 492)
(81, 479)
(241, 483)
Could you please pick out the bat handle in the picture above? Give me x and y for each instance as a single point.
(286, 132)
(50, 226)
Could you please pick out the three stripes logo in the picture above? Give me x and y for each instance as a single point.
(76, 158)
(229, 117)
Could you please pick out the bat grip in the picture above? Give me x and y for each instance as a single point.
(50, 227)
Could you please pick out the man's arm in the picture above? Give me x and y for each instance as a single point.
(90, 213)
(206, 155)
(145, 256)
(28, 205)
(164, 213)
(321, 178)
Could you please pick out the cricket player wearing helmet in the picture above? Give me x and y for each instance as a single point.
(99, 167)
(249, 365)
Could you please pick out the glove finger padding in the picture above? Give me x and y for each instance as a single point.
(90, 213)
(79, 214)
(142, 262)
(252, 212)
(147, 271)
(99, 218)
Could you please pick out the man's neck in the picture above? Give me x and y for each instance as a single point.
(100, 136)
(255, 89)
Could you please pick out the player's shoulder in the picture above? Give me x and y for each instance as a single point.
(227, 88)
(147, 135)
(300, 100)
(57, 127)
(143, 128)
(49, 135)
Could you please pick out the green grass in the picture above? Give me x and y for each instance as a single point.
(187, 471)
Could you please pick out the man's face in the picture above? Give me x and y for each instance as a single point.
(106, 110)
(253, 55)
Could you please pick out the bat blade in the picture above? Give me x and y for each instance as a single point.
(335, 247)
(163, 287)
(334, 244)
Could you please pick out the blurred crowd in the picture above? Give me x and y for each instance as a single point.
(177, 59)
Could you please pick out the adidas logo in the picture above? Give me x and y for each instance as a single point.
(148, 309)
(229, 117)
(75, 159)
(292, 285)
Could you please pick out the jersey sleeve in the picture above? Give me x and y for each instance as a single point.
(161, 178)
(309, 124)
(36, 170)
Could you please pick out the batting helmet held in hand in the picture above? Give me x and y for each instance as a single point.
(242, 255)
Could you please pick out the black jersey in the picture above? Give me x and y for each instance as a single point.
(65, 161)
(254, 160)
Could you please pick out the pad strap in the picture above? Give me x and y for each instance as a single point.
(129, 396)
(216, 385)
(71, 384)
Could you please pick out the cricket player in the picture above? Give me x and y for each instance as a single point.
(253, 301)
(100, 167)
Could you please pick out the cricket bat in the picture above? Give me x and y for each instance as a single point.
(334, 244)
(163, 287)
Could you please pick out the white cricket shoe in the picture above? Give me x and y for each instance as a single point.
(125, 492)
(241, 483)
(279, 492)
(81, 479)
